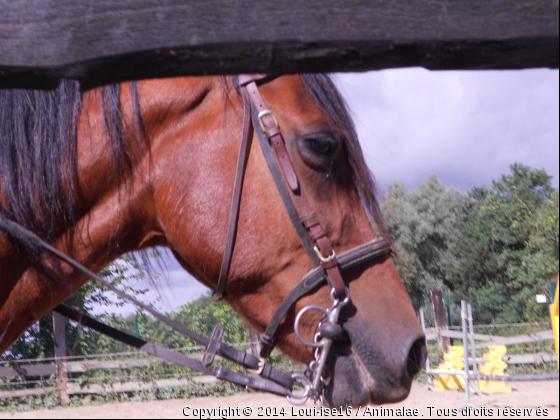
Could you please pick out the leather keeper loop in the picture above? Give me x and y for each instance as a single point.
(266, 344)
(329, 265)
(273, 132)
(317, 235)
(245, 79)
(307, 217)
(309, 220)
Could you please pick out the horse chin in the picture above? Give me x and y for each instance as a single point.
(353, 381)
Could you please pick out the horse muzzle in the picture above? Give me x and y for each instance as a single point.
(368, 368)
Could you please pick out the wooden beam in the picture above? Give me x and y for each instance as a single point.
(29, 370)
(89, 365)
(18, 393)
(522, 359)
(519, 339)
(100, 388)
(75, 388)
(459, 335)
(106, 41)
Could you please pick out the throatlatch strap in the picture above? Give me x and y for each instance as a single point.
(244, 149)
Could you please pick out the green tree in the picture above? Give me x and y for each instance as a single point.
(516, 211)
(510, 207)
(200, 315)
(426, 224)
(496, 246)
(542, 261)
(510, 243)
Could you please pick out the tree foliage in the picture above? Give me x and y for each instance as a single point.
(497, 246)
(426, 225)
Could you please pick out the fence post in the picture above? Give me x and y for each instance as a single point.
(428, 369)
(471, 333)
(59, 324)
(440, 319)
(253, 339)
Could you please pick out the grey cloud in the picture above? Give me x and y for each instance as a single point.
(466, 127)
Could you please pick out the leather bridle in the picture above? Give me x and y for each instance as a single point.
(327, 267)
(307, 225)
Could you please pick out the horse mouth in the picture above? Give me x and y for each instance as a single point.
(360, 374)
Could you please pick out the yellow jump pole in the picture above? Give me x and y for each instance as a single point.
(554, 318)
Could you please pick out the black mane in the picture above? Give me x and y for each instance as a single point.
(38, 159)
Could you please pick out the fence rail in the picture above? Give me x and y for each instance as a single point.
(131, 386)
(105, 42)
(70, 387)
(469, 355)
(62, 365)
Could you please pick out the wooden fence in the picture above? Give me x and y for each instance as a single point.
(108, 41)
(61, 366)
(65, 387)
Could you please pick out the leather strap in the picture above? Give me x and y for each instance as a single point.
(131, 340)
(285, 195)
(244, 79)
(213, 346)
(244, 150)
(243, 157)
(261, 383)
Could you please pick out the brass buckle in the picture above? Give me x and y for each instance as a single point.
(322, 257)
(263, 114)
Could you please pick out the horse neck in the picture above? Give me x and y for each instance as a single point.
(147, 207)
(104, 226)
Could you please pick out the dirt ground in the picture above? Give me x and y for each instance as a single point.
(541, 397)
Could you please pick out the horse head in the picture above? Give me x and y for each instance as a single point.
(176, 189)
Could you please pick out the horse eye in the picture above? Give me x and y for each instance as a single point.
(319, 145)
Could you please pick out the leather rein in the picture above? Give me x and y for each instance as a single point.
(327, 267)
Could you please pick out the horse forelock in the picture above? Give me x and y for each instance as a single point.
(328, 98)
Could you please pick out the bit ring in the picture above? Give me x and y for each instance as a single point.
(298, 319)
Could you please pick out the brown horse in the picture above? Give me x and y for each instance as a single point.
(126, 167)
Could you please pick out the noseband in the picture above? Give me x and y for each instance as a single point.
(327, 267)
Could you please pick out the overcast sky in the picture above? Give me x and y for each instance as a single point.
(466, 127)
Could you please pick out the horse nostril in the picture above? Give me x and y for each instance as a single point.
(416, 357)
